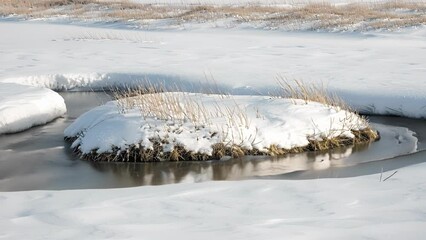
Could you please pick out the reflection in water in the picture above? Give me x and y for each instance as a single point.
(231, 169)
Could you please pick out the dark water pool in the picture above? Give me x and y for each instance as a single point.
(39, 158)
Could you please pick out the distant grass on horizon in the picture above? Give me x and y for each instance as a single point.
(311, 16)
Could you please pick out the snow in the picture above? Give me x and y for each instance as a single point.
(248, 121)
(379, 73)
(349, 208)
(382, 73)
(22, 107)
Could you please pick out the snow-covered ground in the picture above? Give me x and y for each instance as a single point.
(381, 73)
(22, 107)
(348, 208)
(375, 72)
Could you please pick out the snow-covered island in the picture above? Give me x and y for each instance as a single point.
(188, 126)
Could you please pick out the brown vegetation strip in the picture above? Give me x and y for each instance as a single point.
(134, 153)
(364, 16)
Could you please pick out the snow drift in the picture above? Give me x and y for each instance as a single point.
(22, 107)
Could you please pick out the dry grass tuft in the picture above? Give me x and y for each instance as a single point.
(297, 89)
(182, 107)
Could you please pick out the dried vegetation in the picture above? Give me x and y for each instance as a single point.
(313, 16)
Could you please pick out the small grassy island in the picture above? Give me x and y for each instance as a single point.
(151, 125)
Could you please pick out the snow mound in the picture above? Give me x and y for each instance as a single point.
(199, 122)
(22, 107)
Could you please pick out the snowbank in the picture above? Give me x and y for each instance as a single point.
(197, 123)
(339, 208)
(383, 71)
(22, 107)
(411, 105)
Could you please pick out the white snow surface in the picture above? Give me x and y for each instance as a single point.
(248, 121)
(340, 208)
(379, 73)
(22, 107)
